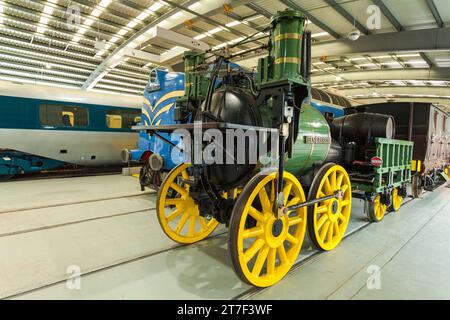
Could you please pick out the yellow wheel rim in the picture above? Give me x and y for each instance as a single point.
(379, 208)
(177, 212)
(331, 217)
(397, 200)
(267, 249)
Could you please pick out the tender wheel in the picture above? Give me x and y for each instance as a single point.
(177, 212)
(397, 200)
(416, 186)
(377, 210)
(328, 220)
(262, 247)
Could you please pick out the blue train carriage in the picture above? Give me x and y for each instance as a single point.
(62, 128)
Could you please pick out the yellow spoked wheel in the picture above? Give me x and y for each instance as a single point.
(262, 247)
(397, 200)
(177, 212)
(377, 210)
(328, 220)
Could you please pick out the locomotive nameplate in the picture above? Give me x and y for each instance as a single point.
(317, 140)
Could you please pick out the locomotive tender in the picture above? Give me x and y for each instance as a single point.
(429, 127)
(268, 207)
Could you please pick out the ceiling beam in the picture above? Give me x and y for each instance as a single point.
(344, 13)
(314, 20)
(437, 16)
(388, 14)
(424, 56)
(408, 41)
(385, 74)
(401, 90)
(259, 9)
(113, 58)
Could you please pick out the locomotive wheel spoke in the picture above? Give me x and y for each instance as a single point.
(294, 201)
(291, 238)
(345, 203)
(265, 202)
(256, 214)
(192, 224)
(337, 232)
(202, 223)
(330, 232)
(253, 232)
(321, 221)
(324, 230)
(181, 223)
(282, 253)
(329, 219)
(333, 181)
(339, 181)
(173, 201)
(173, 215)
(286, 191)
(271, 261)
(179, 189)
(295, 220)
(168, 209)
(260, 260)
(322, 209)
(254, 249)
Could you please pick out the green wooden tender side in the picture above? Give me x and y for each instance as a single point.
(396, 168)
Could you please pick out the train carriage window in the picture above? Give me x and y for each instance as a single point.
(63, 116)
(122, 119)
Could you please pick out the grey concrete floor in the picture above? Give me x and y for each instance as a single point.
(108, 228)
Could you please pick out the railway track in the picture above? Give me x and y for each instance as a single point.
(246, 294)
(65, 173)
(35, 207)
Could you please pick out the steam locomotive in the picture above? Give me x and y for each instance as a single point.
(260, 159)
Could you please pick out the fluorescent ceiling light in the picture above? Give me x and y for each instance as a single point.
(320, 34)
(132, 24)
(143, 15)
(177, 15)
(215, 30)
(122, 32)
(48, 10)
(40, 30)
(382, 57)
(195, 6)
(96, 12)
(105, 3)
(408, 55)
(200, 36)
(233, 23)
(156, 6)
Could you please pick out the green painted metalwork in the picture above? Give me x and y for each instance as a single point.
(396, 168)
(313, 141)
(195, 85)
(284, 59)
